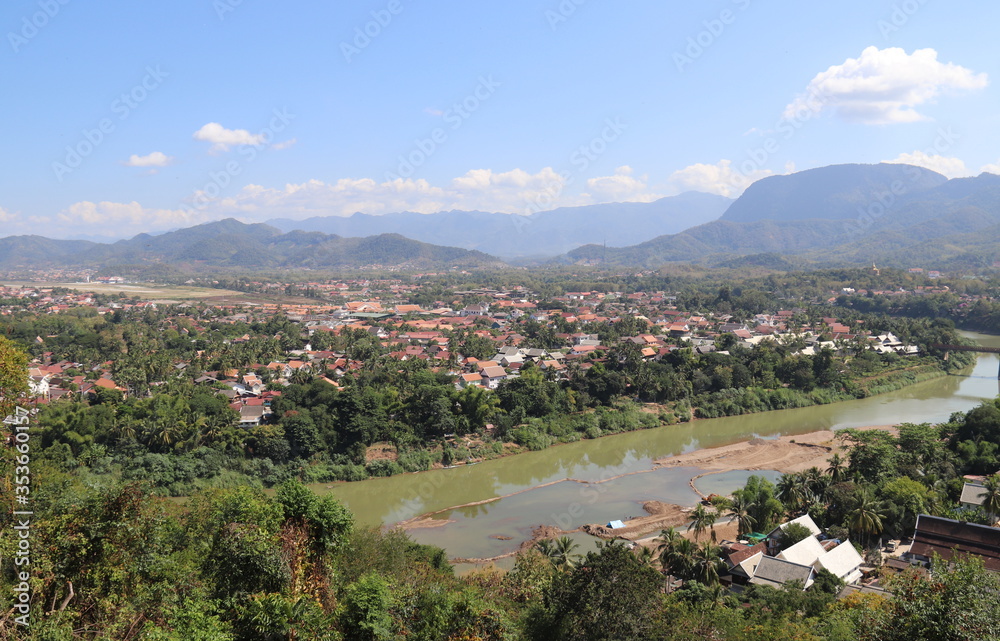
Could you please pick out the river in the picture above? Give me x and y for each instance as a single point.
(554, 486)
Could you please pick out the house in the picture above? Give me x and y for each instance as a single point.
(805, 552)
(252, 414)
(948, 537)
(679, 330)
(38, 386)
(492, 376)
(973, 495)
(466, 380)
(843, 561)
(743, 560)
(476, 310)
(777, 572)
(509, 359)
(804, 520)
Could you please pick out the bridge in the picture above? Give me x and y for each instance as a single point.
(968, 348)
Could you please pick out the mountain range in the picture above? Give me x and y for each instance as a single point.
(541, 234)
(231, 244)
(892, 214)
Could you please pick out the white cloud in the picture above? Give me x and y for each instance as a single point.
(479, 189)
(883, 86)
(622, 187)
(124, 219)
(155, 159)
(948, 166)
(992, 168)
(515, 191)
(6, 216)
(284, 144)
(222, 139)
(720, 178)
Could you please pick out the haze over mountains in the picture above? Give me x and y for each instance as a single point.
(894, 214)
(541, 234)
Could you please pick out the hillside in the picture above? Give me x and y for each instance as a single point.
(829, 193)
(232, 244)
(870, 214)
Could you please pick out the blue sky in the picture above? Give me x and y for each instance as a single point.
(144, 116)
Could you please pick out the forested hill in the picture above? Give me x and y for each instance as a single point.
(230, 243)
(896, 215)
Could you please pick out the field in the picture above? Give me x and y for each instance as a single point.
(170, 293)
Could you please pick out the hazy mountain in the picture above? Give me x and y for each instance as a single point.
(887, 213)
(546, 233)
(231, 244)
(31, 251)
(830, 193)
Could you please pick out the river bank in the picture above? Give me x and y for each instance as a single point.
(532, 487)
(785, 454)
(541, 434)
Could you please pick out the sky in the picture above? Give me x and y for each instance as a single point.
(129, 117)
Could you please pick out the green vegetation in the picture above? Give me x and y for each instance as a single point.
(182, 437)
(112, 560)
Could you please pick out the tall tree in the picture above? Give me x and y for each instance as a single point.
(866, 518)
(991, 496)
(611, 596)
(739, 510)
(701, 520)
(13, 376)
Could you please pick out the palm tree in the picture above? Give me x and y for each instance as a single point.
(701, 520)
(866, 518)
(559, 551)
(665, 544)
(646, 555)
(816, 481)
(707, 563)
(838, 468)
(739, 510)
(991, 496)
(793, 491)
(678, 558)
